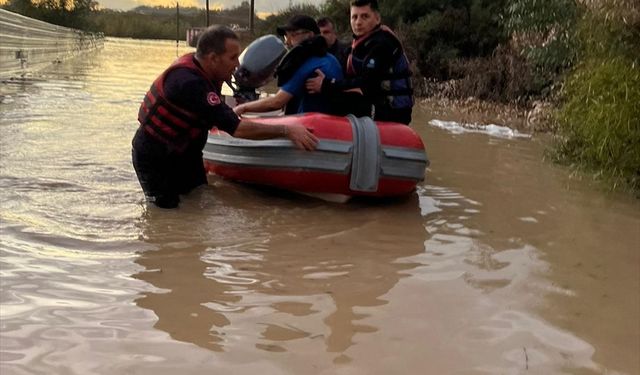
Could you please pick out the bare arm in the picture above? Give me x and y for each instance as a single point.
(297, 133)
(265, 104)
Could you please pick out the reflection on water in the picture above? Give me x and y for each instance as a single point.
(498, 264)
(301, 274)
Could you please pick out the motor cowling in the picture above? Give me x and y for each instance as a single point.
(258, 63)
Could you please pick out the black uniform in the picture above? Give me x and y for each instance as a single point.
(378, 66)
(341, 52)
(167, 167)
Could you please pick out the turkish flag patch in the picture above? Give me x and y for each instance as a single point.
(213, 98)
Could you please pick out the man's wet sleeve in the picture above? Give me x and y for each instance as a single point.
(221, 115)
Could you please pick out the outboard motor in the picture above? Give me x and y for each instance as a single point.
(258, 63)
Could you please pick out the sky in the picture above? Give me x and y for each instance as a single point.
(261, 6)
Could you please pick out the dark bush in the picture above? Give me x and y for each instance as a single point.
(504, 76)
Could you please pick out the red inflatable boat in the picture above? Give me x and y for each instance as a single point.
(354, 157)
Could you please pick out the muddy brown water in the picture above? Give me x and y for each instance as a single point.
(499, 263)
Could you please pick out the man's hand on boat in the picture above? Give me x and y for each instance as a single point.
(240, 109)
(301, 137)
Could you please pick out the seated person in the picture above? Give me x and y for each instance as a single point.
(308, 52)
(377, 66)
(336, 47)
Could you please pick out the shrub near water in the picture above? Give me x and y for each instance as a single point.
(599, 122)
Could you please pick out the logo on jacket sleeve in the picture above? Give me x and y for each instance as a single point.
(213, 98)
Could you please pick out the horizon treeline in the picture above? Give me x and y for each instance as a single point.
(142, 22)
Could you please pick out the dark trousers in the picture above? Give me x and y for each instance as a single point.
(345, 103)
(399, 115)
(165, 174)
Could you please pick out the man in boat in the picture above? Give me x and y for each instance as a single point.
(377, 66)
(337, 48)
(178, 111)
(307, 54)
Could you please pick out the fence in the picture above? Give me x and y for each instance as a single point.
(28, 44)
(193, 33)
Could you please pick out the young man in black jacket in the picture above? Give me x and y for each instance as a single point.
(377, 67)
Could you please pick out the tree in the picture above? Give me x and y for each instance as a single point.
(543, 32)
(69, 13)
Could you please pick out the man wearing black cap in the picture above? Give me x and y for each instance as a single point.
(308, 53)
(297, 25)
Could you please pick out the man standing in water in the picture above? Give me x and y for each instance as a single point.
(377, 65)
(178, 111)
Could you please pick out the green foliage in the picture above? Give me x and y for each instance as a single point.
(599, 121)
(69, 13)
(502, 77)
(143, 22)
(435, 32)
(135, 25)
(543, 31)
(539, 16)
(604, 35)
(24, 7)
(269, 25)
(143, 25)
(339, 12)
(160, 22)
(439, 32)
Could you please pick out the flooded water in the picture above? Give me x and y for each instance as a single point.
(500, 263)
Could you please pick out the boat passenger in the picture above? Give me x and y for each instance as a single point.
(377, 65)
(337, 48)
(178, 111)
(307, 54)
